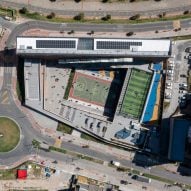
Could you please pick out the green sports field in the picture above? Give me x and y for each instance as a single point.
(136, 93)
(92, 90)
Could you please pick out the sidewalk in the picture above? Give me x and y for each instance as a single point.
(145, 7)
(64, 170)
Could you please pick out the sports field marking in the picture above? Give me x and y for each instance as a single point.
(93, 90)
(136, 93)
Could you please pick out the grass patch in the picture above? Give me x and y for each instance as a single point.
(166, 105)
(35, 143)
(8, 12)
(85, 157)
(8, 174)
(51, 148)
(38, 16)
(186, 37)
(10, 134)
(74, 154)
(161, 179)
(89, 138)
(64, 128)
(69, 85)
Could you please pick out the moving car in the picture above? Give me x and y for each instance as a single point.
(115, 163)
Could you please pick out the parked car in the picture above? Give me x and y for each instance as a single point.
(170, 71)
(124, 182)
(169, 77)
(188, 49)
(183, 76)
(170, 67)
(183, 85)
(168, 95)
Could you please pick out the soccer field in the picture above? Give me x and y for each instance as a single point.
(91, 89)
(136, 93)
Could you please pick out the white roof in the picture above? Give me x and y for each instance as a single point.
(145, 47)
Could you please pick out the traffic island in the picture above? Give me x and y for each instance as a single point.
(9, 134)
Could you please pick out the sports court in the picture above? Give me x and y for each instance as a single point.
(136, 93)
(92, 90)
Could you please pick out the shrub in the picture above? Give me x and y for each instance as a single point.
(106, 18)
(79, 17)
(51, 15)
(162, 15)
(23, 10)
(129, 33)
(135, 17)
(186, 12)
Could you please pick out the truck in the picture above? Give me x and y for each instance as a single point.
(115, 163)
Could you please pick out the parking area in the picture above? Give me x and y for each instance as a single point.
(176, 80)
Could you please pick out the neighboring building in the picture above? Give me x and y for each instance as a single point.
(178, 137)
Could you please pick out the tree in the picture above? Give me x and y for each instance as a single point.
(186, 12)
(135, 17)
(79, 17)
(129, 33)
(105, 1)
(51, 15)
(162, 15)
(23, 10)
(106, 18)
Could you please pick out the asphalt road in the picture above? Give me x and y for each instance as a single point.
(66, 12)
(28, 133)
(85, 27)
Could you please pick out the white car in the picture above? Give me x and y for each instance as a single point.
(171, 62)
(168, 84)
(183, 85)
(169, 87)
(170, 71)
(168, 95)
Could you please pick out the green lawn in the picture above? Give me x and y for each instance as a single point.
(64, 128)
(136, 93)
(10, 134)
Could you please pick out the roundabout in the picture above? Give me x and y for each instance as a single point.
(9, 134)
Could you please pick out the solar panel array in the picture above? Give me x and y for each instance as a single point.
(116, 44)
(55, 44)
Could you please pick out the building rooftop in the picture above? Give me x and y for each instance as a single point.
(93, 46)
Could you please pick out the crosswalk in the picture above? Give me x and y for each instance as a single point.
(5, 99)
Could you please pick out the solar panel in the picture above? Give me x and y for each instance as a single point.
(55, 44)
(116, 44)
